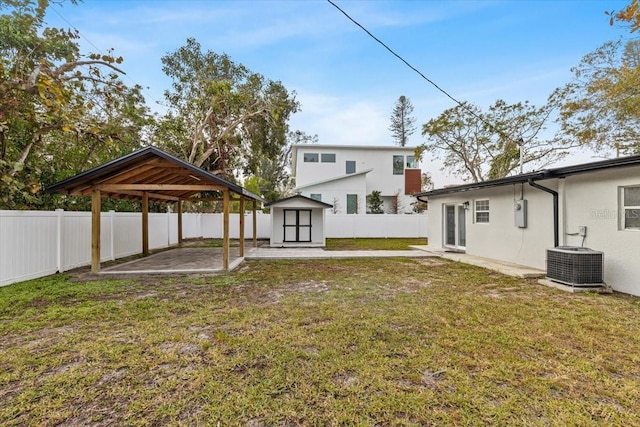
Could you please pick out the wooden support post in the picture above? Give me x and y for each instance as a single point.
(241, 217)
(255, 224)
(145, 223)
(225, 230)
(180, 222)
(95, 230)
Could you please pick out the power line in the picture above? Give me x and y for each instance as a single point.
(461, 104)
(100, 51)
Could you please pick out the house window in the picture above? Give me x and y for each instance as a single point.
(351, 166)
(412, 163)
(398, 165)
(317, 197)
(482, 211)
(328, 157)
(311, 157)
(631, 208)
(352, 203)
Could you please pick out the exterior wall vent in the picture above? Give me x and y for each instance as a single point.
(575, 265)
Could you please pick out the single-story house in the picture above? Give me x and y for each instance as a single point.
(298, 221)
(516, 219)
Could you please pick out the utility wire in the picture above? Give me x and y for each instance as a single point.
(100, 51)
(460, 103)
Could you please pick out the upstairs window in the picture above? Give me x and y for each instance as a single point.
(328, 157)
(311, 157)
(351, 166)
(412, 163)
(398, 165)
(482, 211)
(631, 208)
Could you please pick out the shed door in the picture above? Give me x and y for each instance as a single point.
(297, 225)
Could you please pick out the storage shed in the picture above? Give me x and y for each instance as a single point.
(297, 221)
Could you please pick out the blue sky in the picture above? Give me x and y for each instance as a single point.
(478, 51)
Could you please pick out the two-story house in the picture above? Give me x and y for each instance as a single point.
(343, 175)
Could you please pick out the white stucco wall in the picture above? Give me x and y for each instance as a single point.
(377, 158)
(589, 199)
(593, 200)
(338, 190)
(500, 238)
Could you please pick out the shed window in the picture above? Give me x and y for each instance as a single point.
(328, 157)
(482, 211)
(631, 208)
(311, 157)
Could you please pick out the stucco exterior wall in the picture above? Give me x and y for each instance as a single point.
(592, 200)
(500, 238)
(377, 158)
(589, 199)
(338, 190)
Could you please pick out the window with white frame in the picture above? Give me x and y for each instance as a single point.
(316, 196)
(310, 157)
(412, 162)
(482, 211)
(328, 157)
(630, 202)
(398, 165)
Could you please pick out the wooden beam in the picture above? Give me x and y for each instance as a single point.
(159, 187)
(145, 224)
(95, 230)
(225, 230)
(151, 195)
(255, 223)
(180, 222)
(241, 219)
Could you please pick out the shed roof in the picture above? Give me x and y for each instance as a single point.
(300, 197)
(164, 177)
(560, 172)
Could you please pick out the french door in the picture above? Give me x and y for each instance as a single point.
(455, 231)
(297, 225)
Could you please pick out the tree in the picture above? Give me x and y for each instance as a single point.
(60, 111)
(630, 14)
(374, 203)
(601, 106)
(402, 123)
(223, 117)
(335, 206)
(477, 145)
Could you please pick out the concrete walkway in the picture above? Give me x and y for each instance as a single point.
(510, 269)
(319, 253)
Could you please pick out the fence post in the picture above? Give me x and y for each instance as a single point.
(112, 231)
(59, 215)
(168, 226)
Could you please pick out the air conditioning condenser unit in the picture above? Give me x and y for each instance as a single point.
(575, 266)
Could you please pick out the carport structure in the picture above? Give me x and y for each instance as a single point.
(151, 174)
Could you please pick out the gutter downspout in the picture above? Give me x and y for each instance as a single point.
(555, 209)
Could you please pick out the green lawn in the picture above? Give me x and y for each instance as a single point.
(318, 343)
(372, 244)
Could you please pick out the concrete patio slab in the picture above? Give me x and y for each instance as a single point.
(209, 260)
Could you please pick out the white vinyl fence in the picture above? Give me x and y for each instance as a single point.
(39, 243)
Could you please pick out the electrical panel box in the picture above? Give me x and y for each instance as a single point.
(520, 209)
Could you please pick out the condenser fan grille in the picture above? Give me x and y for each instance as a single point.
(575, 265)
